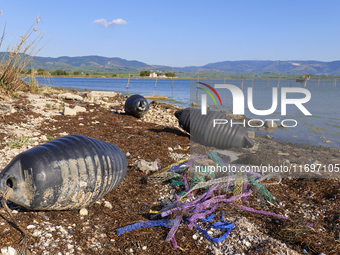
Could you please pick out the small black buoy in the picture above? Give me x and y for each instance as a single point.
(136, 106)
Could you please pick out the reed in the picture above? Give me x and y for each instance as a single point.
(16, 58)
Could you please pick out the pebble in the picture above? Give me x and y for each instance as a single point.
(37, 233)
(108, 204)
(144, 248)
(83, 212)
(8, 251)
(30, 226)
(195, 236)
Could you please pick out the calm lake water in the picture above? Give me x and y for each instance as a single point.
(324, 105)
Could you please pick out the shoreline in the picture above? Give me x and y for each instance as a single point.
(157, 136)
(318, 136)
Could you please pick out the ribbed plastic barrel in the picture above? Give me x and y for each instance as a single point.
(202, 130)
(70, 172)
(136, 105)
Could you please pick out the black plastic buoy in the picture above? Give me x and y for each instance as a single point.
(136, 105)
(70, 172)
(202, 130)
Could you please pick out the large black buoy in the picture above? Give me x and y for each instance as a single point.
(70, 172)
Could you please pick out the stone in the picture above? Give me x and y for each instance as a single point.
(8, 251)
(73, 111)
(194, 105)
(270, 124)
(178, 147)
(70, 96)
(99, 95)
(83, 212)
(228, 156)
(251, 134)
(304, 161)
(69, 111)
(248, 244)
(37, 233)
(108, 204)
(78, 108)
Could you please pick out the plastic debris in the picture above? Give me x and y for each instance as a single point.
(238, 186)
(266, 194)
(262, 212)
(216, 225)
(146, 224)
(146, 166)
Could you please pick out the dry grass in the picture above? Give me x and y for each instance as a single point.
(16, 58)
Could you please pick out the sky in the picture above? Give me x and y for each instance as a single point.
(179, 33)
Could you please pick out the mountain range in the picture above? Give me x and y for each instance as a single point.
(105, 64)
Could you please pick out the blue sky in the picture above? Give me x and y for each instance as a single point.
(180, 33)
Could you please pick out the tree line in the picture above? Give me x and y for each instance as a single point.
(59, 72)
(147, 74)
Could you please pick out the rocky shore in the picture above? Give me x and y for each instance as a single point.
(33, 119)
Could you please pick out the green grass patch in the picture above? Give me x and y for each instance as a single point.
(18, 141)
(317, 130)
(15, 95)
(49, 137)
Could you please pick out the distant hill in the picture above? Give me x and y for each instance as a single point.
(93, 63)
(296, 67)
(104, 64)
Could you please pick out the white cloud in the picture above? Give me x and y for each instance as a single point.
(105, 23)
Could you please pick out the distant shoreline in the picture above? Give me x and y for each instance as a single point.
(176, 78)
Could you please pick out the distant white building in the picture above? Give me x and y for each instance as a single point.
(153, 75)
(162, 76)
